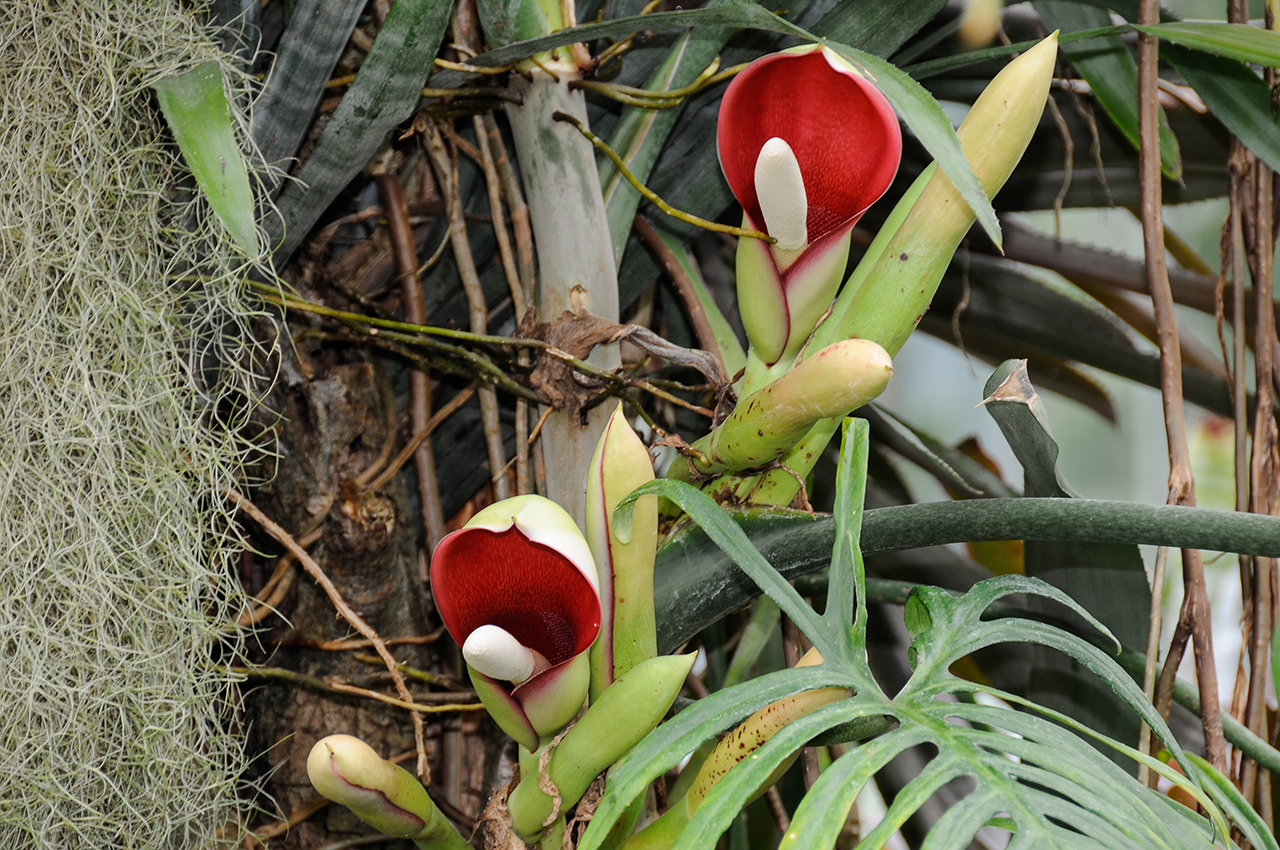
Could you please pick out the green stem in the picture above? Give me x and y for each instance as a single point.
(706, 583)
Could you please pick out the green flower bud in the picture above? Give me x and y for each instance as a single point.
(384, 795)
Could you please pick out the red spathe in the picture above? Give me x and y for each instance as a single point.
(481, 577)
(842, 130)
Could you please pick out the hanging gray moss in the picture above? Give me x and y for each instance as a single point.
(115, 580)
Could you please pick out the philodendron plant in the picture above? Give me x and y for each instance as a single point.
(558, 628)
(1033, 778)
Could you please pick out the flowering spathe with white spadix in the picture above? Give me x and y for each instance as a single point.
(807, 144)
(518, 590)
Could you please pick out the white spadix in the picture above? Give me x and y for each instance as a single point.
(495, 652)
(780, 188)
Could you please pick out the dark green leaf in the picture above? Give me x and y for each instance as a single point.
(731, 540)
(933, 67)
(505, 21)
(304, 60)
(695, 584)
(641, 134)
(878, 28)
(1111, 71)
(846, 589)
(1108, 579)
(384, 93)
(1236, 96)
(1007, 305)
(195, 106)
(1234, 41)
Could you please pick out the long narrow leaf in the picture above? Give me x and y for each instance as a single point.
(847, 583)
(1228, 797)
(641, 133)
(1111, 71)
(731, 794)
(731, 539)
(915, 105)
(384, 93)
(682, 734)
(1234, 41)
(822, 814)
(304, 61)
(1236, 96)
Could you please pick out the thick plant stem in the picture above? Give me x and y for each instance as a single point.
(1195, 613)
(575, 261)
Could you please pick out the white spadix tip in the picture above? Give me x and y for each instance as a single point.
(780, 188)
(494, 651)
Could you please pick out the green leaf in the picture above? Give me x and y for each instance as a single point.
(195, 106)
(1053, 792)
(1224, 793)
(878, 28)
(914, 105)
(731, 540)
(681, 735)
(1236, 96)
(641, 134)
(384, 93)
(731, 794)
(505, 21)
(1111, 71)
(847, 583)
(696, 584)
(1109, 579)
(304, 59)
(1234, 41)
(943, 64)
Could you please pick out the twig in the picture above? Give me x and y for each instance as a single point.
(419, 381)
(500, 179)
(1262, 462)
(1195, 609)
(649, 193)
(279, 583)
(295, 817)
(684, 287)
(335, 598)
(409, 705)
(423, 676)
(349, 644)
(445, 168)
(653, 390)
(422, 434)
(781, 820)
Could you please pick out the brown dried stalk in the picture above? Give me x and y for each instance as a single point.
(684, 287)
(345, 611)
(415, 311)
(1195, 613)
(445, 165)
